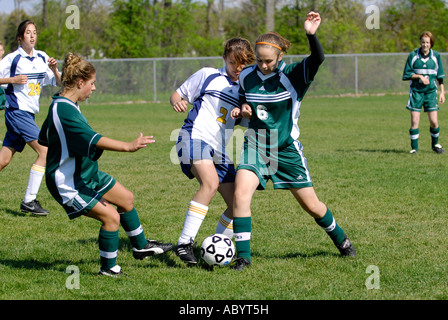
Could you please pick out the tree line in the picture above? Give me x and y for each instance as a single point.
(166, 28)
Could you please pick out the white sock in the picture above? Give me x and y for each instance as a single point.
(34, 181)
(225, 226)
(195, 215)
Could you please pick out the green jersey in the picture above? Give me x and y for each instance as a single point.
(2, 98)
(430, 66)
(275, 101)
(72, 154)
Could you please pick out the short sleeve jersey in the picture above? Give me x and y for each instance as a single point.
(430, 66)
(26, 96)
(213, 95)
(72, 154)
(275, 101)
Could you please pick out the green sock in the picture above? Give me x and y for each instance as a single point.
(328, 223)
(242, 230)
(108, 243)
(434, 135)
(134, 230)
(414, 133)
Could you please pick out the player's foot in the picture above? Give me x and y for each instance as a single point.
(185, 253)
(153, 247)
(346, 248)
(114, 272)
(413, 151)
(34, 207)
(438, 149)
(239, 264)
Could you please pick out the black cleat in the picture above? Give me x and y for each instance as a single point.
(113, 272)
(34, 207)
(185, 253)
(239, 264)
(153, 247)
(438, 149)
(346, 248)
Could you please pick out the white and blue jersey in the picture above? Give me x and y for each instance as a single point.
(26, 96)
(213, 95)
(208, 126)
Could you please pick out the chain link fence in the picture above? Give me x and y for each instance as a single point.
(155, 79)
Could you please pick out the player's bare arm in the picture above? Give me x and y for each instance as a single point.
(442, 93)
(19, 79)
(179, 105)
(121, 146)
(53, 65)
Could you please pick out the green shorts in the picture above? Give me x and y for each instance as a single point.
(417, 100)
(89, 195)
(287, 167)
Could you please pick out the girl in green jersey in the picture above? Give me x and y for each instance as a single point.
(272, 92)
(72, 174)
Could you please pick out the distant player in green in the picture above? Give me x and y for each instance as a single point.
(272, 92)
(72, 174)
(424, 69)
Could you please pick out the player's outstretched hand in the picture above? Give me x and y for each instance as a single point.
(140, 142)
(312, 22)
(53, 64)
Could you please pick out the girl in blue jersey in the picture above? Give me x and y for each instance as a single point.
(25, 72)
(272, 92)
(203, 138)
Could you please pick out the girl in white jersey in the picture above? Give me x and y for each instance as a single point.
(203, 138)
(25, 72)
(271, 93)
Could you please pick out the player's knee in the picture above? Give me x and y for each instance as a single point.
(111, 221)
(4, 163)
(128, 201)
(210, 188)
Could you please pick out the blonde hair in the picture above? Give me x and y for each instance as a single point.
(242, 50)
(274, 40)
(75, 68)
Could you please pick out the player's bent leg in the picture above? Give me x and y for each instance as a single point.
(108, 237)
(324, 218)
(246, 182)
(6, 154)
(121, 197)
(225, 223)
(205, 172)
(129, 219)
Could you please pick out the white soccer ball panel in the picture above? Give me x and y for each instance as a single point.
(217, 250)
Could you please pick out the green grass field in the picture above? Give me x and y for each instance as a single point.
(391, 204)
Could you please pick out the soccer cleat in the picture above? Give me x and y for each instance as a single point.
(239, 264)
(346, 248)
(185, 253)
(438, 149)
(34, 207)
(153, 247)
(413, 151)
(113, 272)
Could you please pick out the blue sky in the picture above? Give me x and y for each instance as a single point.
(7, 6)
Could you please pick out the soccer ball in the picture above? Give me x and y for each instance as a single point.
(217, 250)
